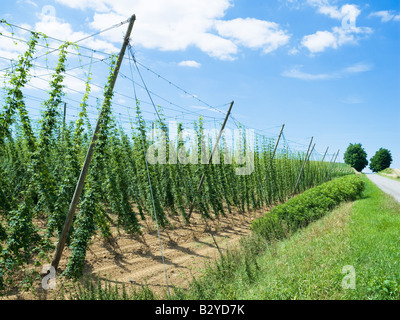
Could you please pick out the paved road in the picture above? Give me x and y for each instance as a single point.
(387, 185)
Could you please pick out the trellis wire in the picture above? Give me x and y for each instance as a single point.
(150, 185)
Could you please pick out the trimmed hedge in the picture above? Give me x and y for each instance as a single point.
(312, 204)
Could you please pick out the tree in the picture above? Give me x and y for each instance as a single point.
(356, 157)
(381, 160)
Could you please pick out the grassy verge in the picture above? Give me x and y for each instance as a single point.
(375, 243)
(364, 234)
(313, 263)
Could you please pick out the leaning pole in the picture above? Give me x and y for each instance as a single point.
(89, 156)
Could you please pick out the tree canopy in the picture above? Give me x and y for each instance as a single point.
(356, 157)
(381, 160)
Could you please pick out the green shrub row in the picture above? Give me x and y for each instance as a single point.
(307, 207)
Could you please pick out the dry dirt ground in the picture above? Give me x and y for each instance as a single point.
(395, 173)
(186, 248)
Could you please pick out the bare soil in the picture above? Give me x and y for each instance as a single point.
(395, 173)
(135, 260)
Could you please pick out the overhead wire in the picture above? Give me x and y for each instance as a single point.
(182, 90)
(148, 92)
(108, 55)
(185, 110)
(77, 41)
(150, 184)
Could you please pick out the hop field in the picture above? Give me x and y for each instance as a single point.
(40, 163)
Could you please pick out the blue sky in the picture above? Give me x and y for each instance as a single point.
(327, 69)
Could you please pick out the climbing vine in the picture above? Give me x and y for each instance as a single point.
(15, 98)
(91, 208)
(40, 165)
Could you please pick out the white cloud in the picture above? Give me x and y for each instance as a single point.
(331, 11)
(325, 7)
(74, 81)
(297, 73)
(216, 46)
(350, 11)
(166, 25)
(253, 33)
(293, 51)
(357, 68)
(351, 35)
(207, 109)
(345, 33)
(319, 41)
(98, 5)
(339, 36)
(189, 63)
(30, 2)
(176, 25)
(57, 28)
(9, 48)
(385, 15)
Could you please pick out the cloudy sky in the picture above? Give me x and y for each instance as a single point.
(325, 68)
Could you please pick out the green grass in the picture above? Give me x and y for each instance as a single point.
(364, 234)
(375, 243)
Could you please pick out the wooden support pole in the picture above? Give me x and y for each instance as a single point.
(333, 163)
(212, 153)
(65, 114)
(326, 152)
(312, 150)
(272, 158)
(333, 156)
(89, 156)
(302, 168)
(309, 156)
(330, 164)
(277, 142)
